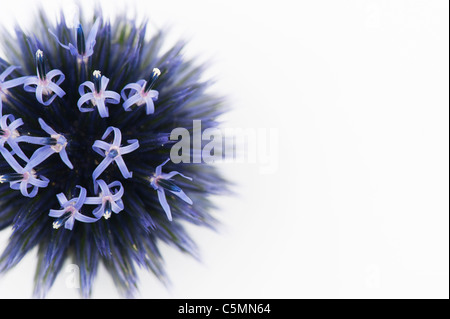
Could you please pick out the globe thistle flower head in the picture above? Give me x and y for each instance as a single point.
(91, 140)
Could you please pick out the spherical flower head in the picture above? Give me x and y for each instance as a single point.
(81, 159)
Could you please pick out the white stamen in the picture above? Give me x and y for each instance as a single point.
(157, 71)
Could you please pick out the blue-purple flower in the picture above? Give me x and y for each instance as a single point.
(113, 152)
(84, 47)
(25, 177)
(59, 189)
(56, 143)
(42, 84)
(141, 93)
(162, 182)
(10, 135)
(98, 96)
(70, 210)
(109, 200)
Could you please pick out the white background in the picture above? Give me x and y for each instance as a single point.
(358, 207)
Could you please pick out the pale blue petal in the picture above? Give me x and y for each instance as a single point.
(183, 196)
(7, 72)
(11, 160)
(90, 41)
(103, 187)
(141, 83)
(134, 89)
(57, 40)
(15, 124)
(117, 195)
(65, 158)
(46, 127)
(16, 149)
(98, 146)
(101, 167)
(4, 120)
(50, 75)
(149, 106)
(62, 199)
(13, 83)
(40, 96)
(34, 192)
(122, 167)
(56, 212)
(87, 84)
(28, 82)
(55, 88)
(85, 219)
(42, 182)
(102, 109)
(164, 204)
(104, 83)
(93, 200)
(39, 93)
(81, 198)
(73, 50)
(83, 99)
(173, 173)
(69, 223)
(117, 206)
(32, 140)
(24, 188)
(112, 97)
(15, 185)
(131, 101)
(40, 155)
(158, 170)
(130, 148)
(117, 135)
(99, 211)
(153, 94)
